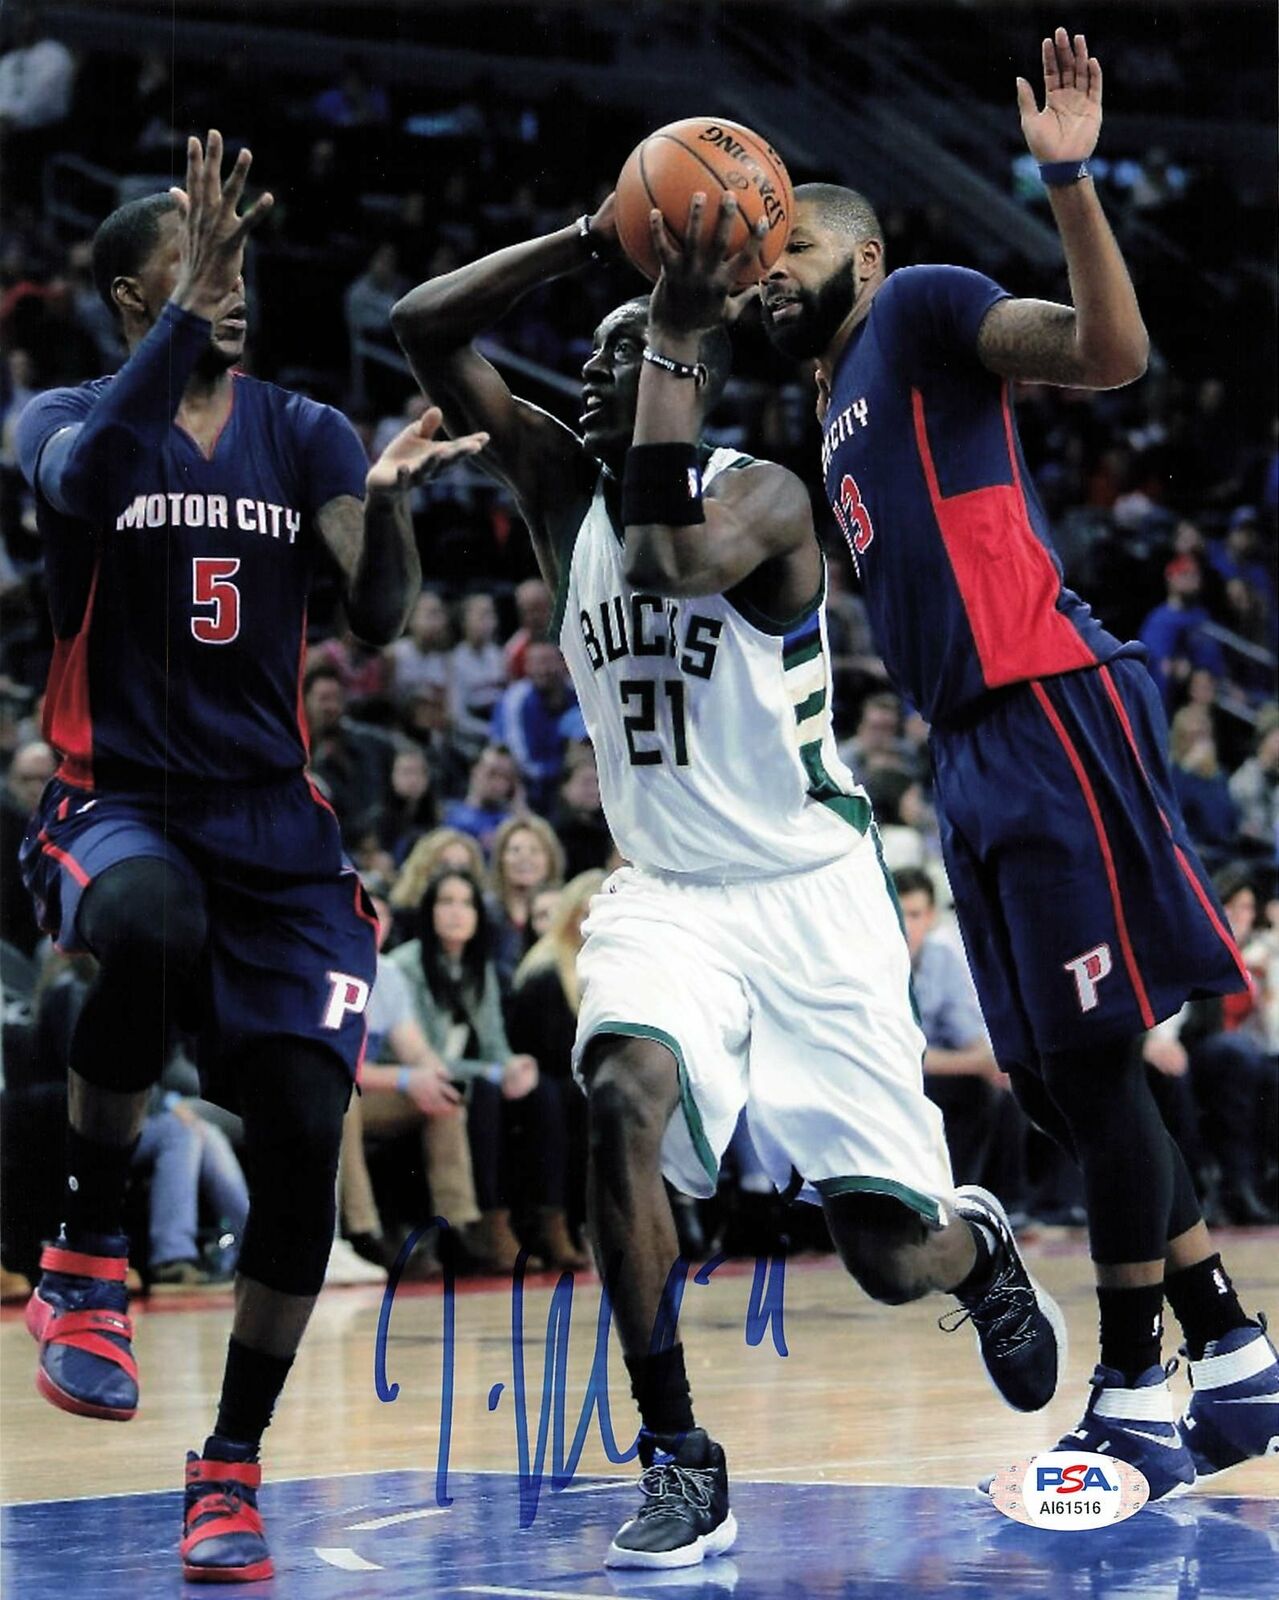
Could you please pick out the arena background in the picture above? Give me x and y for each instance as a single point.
(402, 139)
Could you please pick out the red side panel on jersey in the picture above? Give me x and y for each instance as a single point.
(68, 719)
(1007, 581)
(303, 731)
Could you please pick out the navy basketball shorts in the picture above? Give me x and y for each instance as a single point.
(292, 947)
(1086, 914)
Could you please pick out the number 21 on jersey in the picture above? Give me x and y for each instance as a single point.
(853, 518)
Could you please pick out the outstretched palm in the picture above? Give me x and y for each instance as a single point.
(1067, 128)
(415, 454)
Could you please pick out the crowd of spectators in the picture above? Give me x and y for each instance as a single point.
(456, 759)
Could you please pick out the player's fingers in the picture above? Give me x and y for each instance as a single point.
(1026, 104)
(195, 169)
(666, 254)
(1065, 61)
(693, 230)
(253, 216)
(235, 183)
(1081, 62)
(1052, 78)
(1094, 79)
(427, 425)
(213, 167)
(723, 228)
(746, 262)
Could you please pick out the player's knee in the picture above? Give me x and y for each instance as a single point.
(143, 917)
(881, 1243)
(632, 1088)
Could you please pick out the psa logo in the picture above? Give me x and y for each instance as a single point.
(1069, 1489)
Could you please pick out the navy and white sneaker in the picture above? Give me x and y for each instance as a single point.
(1137, 1425)
(1233, 1413)
(1020, 1330)
(685, 1516)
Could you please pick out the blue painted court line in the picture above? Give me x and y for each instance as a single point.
(380, 1536)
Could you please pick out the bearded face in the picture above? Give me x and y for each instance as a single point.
(801, 320)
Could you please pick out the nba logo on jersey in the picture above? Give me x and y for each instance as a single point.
(1088, 970)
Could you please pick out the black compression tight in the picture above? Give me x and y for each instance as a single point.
(1098, 1106)
(145, 922)
(293, 1095)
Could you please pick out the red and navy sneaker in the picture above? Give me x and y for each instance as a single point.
(222, 1537)
(1233, 1413)
(79, 1315)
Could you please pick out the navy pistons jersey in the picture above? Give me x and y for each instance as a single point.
(180, 614)
(924, 470)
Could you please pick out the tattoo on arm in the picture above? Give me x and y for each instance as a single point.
(1032, 341)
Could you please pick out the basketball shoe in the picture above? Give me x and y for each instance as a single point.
(222, 1537)
(78, 1314)
(1136, 1425)
(1233, 1413)
(1020, 1330)
(685, 1515)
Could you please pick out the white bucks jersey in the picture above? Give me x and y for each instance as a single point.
(711, 723)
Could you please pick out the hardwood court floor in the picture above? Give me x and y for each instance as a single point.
(866, 1394)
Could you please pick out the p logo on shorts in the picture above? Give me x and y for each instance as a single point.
(1088, 970)
(348, 996)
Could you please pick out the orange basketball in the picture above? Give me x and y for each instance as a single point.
(716, 157)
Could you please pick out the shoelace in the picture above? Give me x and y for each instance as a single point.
(1005, 1310)
(219, 1500)
(668, 1487)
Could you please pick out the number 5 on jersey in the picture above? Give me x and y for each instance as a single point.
(211, 586)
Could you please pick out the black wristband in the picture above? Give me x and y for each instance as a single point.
(662, 485)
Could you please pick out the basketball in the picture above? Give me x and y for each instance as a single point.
(718, 158)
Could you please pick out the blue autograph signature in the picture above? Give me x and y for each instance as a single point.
(765, 1313)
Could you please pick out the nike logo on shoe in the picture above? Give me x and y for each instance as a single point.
(1169, 1444)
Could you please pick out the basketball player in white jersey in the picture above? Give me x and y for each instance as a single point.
(751, 954)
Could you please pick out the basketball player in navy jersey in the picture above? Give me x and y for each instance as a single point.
(183, 508)
(1086, 915)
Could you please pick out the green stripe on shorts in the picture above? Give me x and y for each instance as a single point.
(924, 1204)
(692, 1116)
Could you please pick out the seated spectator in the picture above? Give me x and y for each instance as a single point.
(879, 741)
(1238, 558)
(422, 655)
(961, 1075)
(1254, 787)
(411, 808)
(478, 674)
(544, 1006)
(578, 817)
(516, 1139)
(350, 760)
(493, 795)
(894, 794)
(1172, 632)
(31, 768)
(526, 857)
(405, 1084)
(536, 719)
(424, 718)
(1200, 784)
(442, 847)
(1235, 1078)
(533, 606)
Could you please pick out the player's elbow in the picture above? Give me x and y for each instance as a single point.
(1122, 362)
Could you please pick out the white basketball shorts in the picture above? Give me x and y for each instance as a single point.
(788, 996)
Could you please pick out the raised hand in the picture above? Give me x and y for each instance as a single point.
(698, 276)
(415, 454)
(1067, 128)
(214, 233)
